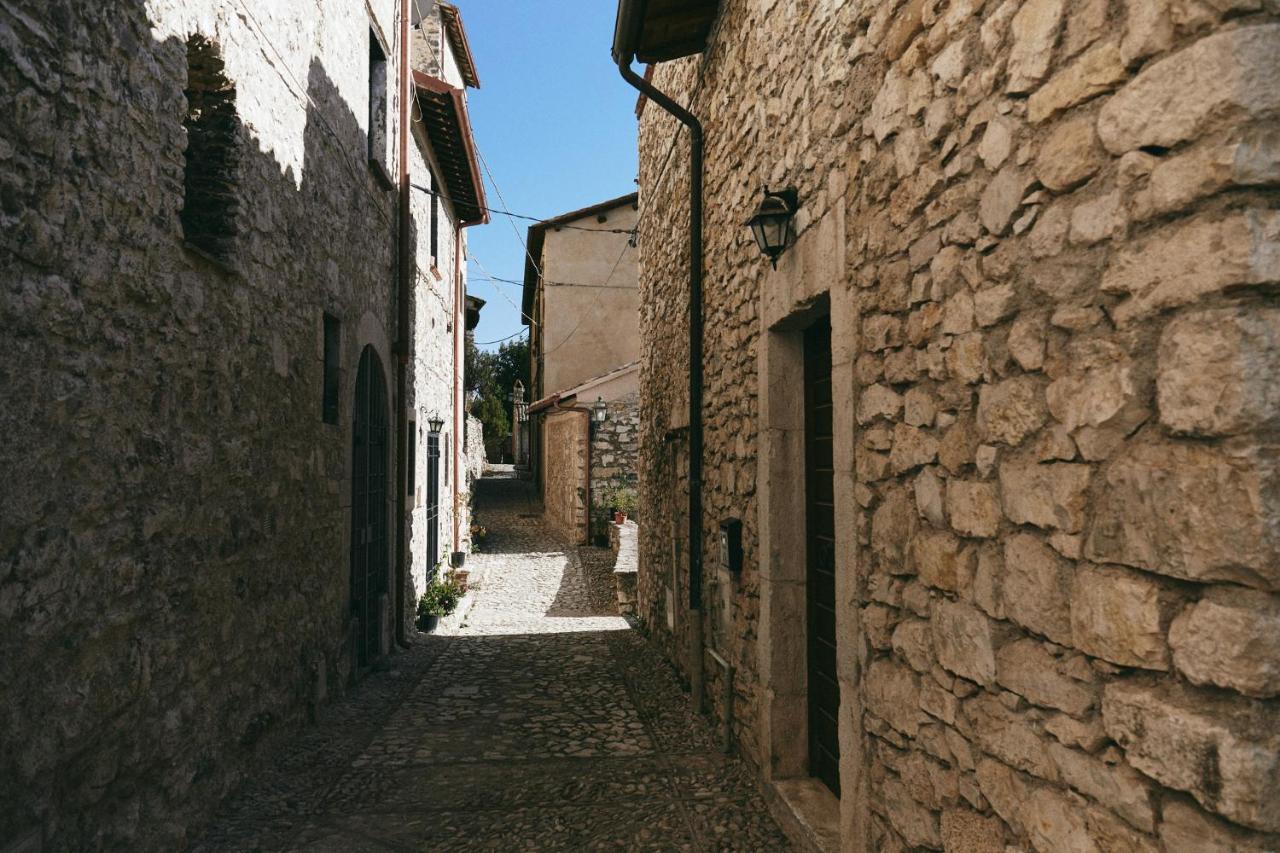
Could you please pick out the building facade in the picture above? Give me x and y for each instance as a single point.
(999, 427)
(590, 444)
(580, 300)
(581, 304)
(447, 196)
(204, 264)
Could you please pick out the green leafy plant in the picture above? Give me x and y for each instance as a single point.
(626, 500)
(440, 598)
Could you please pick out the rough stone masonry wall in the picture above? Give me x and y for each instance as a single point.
(173, 562)
(614, 446)
(1062, 237)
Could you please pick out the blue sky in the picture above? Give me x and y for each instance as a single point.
(555, 123)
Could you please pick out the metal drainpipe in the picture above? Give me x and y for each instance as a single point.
(695, 365)
(404, 283)
(458, 320)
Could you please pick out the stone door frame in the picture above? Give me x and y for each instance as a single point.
(810, 282)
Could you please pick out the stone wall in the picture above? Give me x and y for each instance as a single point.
(1046, 234)
(435, 312)
(564, 460)
(622, 541)
(614, 447)
(174, 552)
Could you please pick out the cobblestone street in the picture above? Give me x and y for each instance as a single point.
(543, 722)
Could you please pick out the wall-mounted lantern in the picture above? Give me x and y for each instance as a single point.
(771, 224)
(435, 423)
(599, 411)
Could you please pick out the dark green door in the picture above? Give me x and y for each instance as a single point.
(369, 505)
(820, 576)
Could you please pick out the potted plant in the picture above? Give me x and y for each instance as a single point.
(624, 500)
(478, 534)
(440, 598)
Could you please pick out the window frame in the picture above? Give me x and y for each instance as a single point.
(331, 371)
(378, 135)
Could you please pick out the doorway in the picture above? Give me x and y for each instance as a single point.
(369, 506)
(433, 502)
(820, 558)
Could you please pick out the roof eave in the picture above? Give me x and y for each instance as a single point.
(457, 35)
(433, 85)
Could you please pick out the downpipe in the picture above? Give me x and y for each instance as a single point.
(695, 365)
(404, 285)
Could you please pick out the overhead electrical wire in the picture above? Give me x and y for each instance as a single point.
(501, 292)
(512, 281)
(301, 90)
(511, 217)
(594, 305)
(501, 340)
(535, 219)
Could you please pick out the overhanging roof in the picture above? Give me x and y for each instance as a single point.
(658, 30)
(537, 237)
(444, 113)
(457, 36)
(569, 397)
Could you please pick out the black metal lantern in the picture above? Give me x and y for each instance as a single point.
(771, 223)
(599, 411)
(435, 424)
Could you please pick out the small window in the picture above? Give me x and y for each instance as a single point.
(378, 105)
(435, 221)
(208, 179)
(332, 363)
(413, 458)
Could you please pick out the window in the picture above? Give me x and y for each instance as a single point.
(412, 458)
(208, 180)
(332, 363)
(435, 221)
(378, 107)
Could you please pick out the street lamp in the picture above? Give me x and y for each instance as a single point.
(435, 424)
(771, 224)
(599, 411)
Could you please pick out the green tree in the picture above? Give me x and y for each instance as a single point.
(489, 378)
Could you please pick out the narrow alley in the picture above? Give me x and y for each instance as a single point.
(542, 722)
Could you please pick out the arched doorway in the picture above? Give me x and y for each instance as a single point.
(369, 506)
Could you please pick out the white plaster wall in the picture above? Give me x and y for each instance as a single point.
(433, 390)
(277, 48)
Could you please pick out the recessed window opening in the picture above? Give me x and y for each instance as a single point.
(412, 459)
(332, 368)
(434, 225)
(377, 102)
(209, 199)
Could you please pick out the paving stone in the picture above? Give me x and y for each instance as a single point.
(542, 722)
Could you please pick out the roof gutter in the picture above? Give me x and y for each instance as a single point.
(625, 38)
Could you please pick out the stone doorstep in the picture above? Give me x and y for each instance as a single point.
(808, 813)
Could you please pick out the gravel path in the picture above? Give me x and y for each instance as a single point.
(542, 723)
